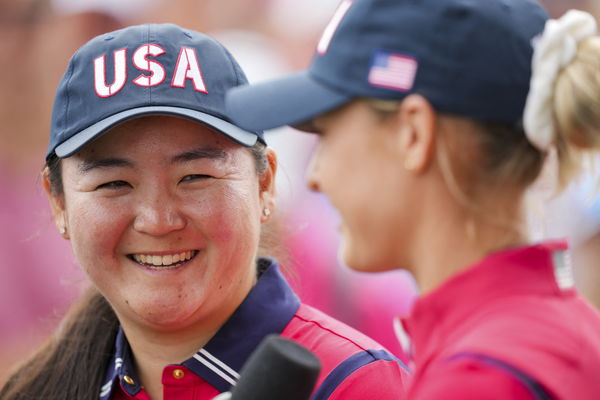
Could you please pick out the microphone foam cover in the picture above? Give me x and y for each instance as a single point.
(278, 369)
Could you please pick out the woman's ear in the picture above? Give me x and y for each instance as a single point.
(417, 120)
(57, 205)
(267, 184)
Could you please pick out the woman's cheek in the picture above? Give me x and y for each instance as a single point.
(231, 223)
(227, 212)
(95, 232)
(240, 236)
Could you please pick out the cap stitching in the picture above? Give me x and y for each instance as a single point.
(67, 90)
(149, 88)
(233, 66)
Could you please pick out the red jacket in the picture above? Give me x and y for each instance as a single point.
(509, 327)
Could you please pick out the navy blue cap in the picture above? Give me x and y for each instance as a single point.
(467, 57)
(144, 70)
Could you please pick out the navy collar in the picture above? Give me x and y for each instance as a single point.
(267, 309)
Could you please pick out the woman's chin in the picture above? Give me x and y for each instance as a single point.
(350, 255)
(351, 258)
(162, 316)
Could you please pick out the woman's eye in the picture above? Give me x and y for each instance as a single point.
(194, 177)
(114, 185)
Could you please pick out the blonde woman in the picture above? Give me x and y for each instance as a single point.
(418, 106)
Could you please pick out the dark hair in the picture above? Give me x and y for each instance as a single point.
(72, 363)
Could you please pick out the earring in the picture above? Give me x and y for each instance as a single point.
(62, 230)
(266, 212)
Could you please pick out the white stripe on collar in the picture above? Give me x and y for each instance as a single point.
(217, 366)
(106, 389)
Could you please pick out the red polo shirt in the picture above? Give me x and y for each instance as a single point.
(353, 366)
(510, 327)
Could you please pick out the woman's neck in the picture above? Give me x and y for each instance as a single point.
(153, 350)
(454, 241)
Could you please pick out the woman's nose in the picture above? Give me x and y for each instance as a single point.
(158, 215)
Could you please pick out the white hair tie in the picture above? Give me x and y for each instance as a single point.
(553, 50)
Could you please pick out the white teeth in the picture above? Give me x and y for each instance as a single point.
(167, 260)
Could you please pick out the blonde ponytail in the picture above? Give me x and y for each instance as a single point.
(577, 109)
(577, 97)
(563, 107)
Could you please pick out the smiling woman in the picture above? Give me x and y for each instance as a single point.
(164, 202)
(186, 220)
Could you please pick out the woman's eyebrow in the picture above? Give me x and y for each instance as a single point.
(111, 162)
(199, 153)
(115, 162)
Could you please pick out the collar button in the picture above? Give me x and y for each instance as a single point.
(178, 373)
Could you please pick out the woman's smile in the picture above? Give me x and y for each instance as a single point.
(159, 262)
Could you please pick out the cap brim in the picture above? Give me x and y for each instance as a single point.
(77, 141)
(292, 100)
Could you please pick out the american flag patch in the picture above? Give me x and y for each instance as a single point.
(393, 71)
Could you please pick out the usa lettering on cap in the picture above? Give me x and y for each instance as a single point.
(187, 67)
(148, 69)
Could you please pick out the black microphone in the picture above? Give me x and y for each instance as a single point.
(278, 369)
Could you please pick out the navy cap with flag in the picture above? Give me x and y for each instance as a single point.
(467, 57)
(144, 70)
